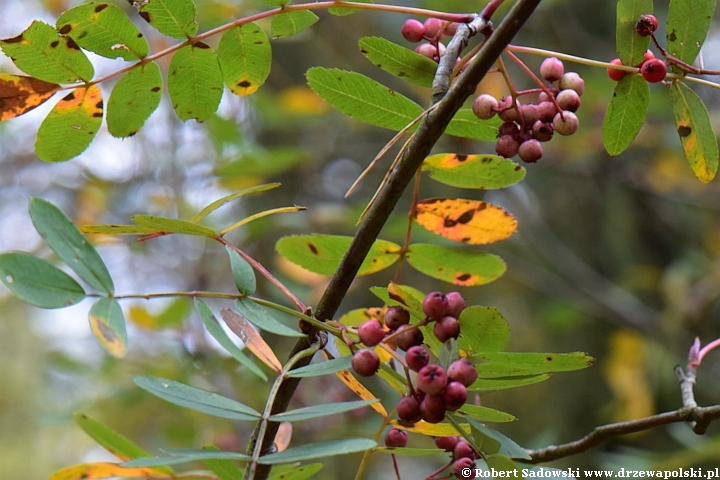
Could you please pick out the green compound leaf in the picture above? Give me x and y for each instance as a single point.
(107, 323)
(362, 98)
(467, 125)
(692, 122)
(224, 469)
(322, 253)
(462, 267)
(175, 18)
(626, 113)
(488, 172)
(630, 46)
(317, 411)
(687, 25)
(483, 330)
(172, 225)
(399, 61)
(195, 82)
(215, 329)
(196, 399)
(69, 244)
(291, 23)
(342, 11)
(242, 273)
(106, 437)
(42, 52)
(510, 364)
(71, 125)
(325, 449)
(262, 319)
(322, 368)
(133, 99)
(38, 282)
(245, 58)
(485, 414)
(104, 29)
(489, 384)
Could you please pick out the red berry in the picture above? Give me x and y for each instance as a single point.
(446, 328)
(396, 438)
(529, 114)
(456, 302)
(507, 146)
(485, 106)
(572, 81)
(408, 338)
(542, 131)
(455, 395)
(646, 25)
(615, 74)
(433, 26)
(546, 111)
(565, 123)
(432, 379)
(568, 100)
(371, 333)
(507, 128)
(451, 29)
(463, 372)
(530, 151)
(417, 357)
(432, 408)
(462, 466)
(463, 450)
(446, 443)
(413, 30)
(552, 69)
(654, 70)
(365, 362)
(435, 305)
(408, 409)
(396, 316)
(648, 55)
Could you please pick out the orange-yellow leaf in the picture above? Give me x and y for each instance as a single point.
(359, 389)
(467, 221)
(432, 429)
(87, 471)
(283, 436)
(251, 338)
(20, 94)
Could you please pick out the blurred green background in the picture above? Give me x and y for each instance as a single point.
(617, 257)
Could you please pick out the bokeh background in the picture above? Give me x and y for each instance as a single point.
(618, 257)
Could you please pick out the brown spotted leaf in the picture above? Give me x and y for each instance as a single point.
(20, 94)
(454, 265)
(108, 325)
(245, 56)
(195, 82)
(467, 221)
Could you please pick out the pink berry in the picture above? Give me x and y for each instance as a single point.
(432, 408)
(542, 131)
(417, 357)
(446, 328)
(508, 128)
(572, 81)
(446, 443)
(435, 305)
(529, 114)
(396, 438)
(371, 333)
(408, 409)
(427, 50)
(654, 70)
(413, 30)
(648, 55)
(568, 100)
(456, 303)
(461, 467)
(409, 337)
(396, 316)
(552, 69)
(507, 146)
(530, 151)
(463, 372)
(455, 395)
(365, 362)
(615, 74)
(646, 25)
(451, 29)
(463, 450)
(432, 379)
(485, 106)
(565, 123)
(546, 111)
(510, 114)
(433, 26)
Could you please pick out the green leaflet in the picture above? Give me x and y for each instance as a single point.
(175, 18)
(38, 282)
(625, 114)
(692, 122)
(104, 29)
(322, 253)
(224, 469)
(107, 323)
(195, 82)
(70, 245)
(318, 411)
(485, 414)
(504, 445)
(174, 225)
(342, 11)
(473, 171)
(465, 124)
(245, 58)
(326, 367)
(454, 265)
(229, 198)
(399, 61)
(42, 52)
(185, 456)
(687, 25)
(133, 99)
(291, 23)
(489, 384)
(509, 364)
(262, 319)
(483, 330)
(630, 46)
(242, 273)
(325, 449)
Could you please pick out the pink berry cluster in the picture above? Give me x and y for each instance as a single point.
(431, 30)
(527, 126)
(652, 69)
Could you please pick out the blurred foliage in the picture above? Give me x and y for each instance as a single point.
(619, 257)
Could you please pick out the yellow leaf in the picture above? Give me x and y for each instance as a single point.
(301, 99)
(106, 470)
(141, 317)
(432, 429)
(251, 338)
(89, 99)
(20, 94)
(359, 390)
(467, 221)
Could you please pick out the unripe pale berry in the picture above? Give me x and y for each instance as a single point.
(446, 443)
(408, 409)
(396, 316)
(463, 372)
(455, 396)
(615, 74)
(568, 100)
(432, 379)
(365, 362)
(456, 303)
(433, 26)
(417, 357)
(485, 106)
(530, 151)
(552, 69)
(409, 337)
(396, 438)
(446, 328)
(542, 131)
(507, 146)
(573, 81)
(412, 30)
(654, 70)
(371, 333)
(646, 25)
(435, 305)
(432, 408)
(565, 123)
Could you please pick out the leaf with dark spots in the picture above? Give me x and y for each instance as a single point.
(146, 16)
(69, 97)
(462, 158)
(71, 44)
(672, 36)
(244, 84)
(313, 248)
(684, 131)
(462, 277)
(155, 89)
(101, 7)
(65, 29)
(467, 216)
(17, 39)
(201, 45)
(55, 43)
